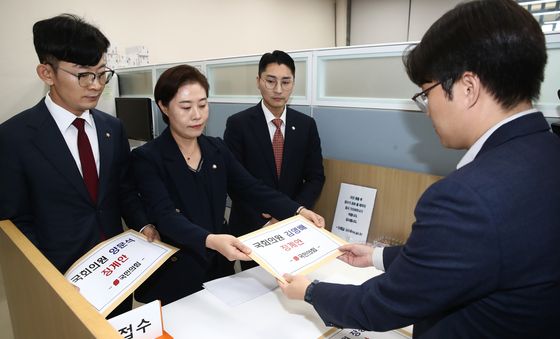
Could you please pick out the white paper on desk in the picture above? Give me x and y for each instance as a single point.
(239, 288)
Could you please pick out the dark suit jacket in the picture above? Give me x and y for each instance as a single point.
(302, 175)
(43, 193)
(187, 206)
(482, 260)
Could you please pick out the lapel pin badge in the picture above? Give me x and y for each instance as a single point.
(293, 128)
(214, 166)
(107, 135)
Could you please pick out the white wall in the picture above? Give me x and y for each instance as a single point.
(173, 31)
(423, 13)
(378, 21)
(341, 14)
(383, 21)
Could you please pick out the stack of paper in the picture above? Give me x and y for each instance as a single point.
(242, 287)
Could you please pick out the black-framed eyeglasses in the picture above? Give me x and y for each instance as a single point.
(85, 79)
(421, 99)
(271, 83)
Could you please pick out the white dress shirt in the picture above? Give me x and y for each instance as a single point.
(269, 117)
(64, 119)
(377, 255)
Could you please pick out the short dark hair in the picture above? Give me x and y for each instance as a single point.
(277, 57)
(498, 40)
(172, 79)
(67, 37)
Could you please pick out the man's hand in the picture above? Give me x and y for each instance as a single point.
(151, 233)
(228, 246)
(315, 218)
(357, 255)
(295, 286)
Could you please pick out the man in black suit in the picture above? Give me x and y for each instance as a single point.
(482, 260)
(64, 179)
(296, 169)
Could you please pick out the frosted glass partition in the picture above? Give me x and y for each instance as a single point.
(374, 77)
(300, 88)
(239, 79)
(357, 77)
(367, 77)
(233, 79)
(135, 83)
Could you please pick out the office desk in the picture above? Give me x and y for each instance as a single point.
(270, 316)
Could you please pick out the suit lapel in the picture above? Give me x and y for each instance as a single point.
(172, 156)
(105, 139)
(51, 143)
(213, 163)
(176, 166)
(259, 126)
(174, 163)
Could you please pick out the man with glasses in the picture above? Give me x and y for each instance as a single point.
(482, 260)
(276, 144)
(64, 178)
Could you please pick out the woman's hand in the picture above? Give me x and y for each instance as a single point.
(228, 246)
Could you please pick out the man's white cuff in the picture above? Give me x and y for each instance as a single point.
(377, 258)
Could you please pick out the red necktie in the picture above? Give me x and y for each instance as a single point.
(89, 170)
(278, 145)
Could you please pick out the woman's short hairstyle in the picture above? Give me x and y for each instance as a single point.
(174, 78)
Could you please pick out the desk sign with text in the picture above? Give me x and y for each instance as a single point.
(143, 322)
(353, 212)
(346, 333)
(294, 245)
(112, 270)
